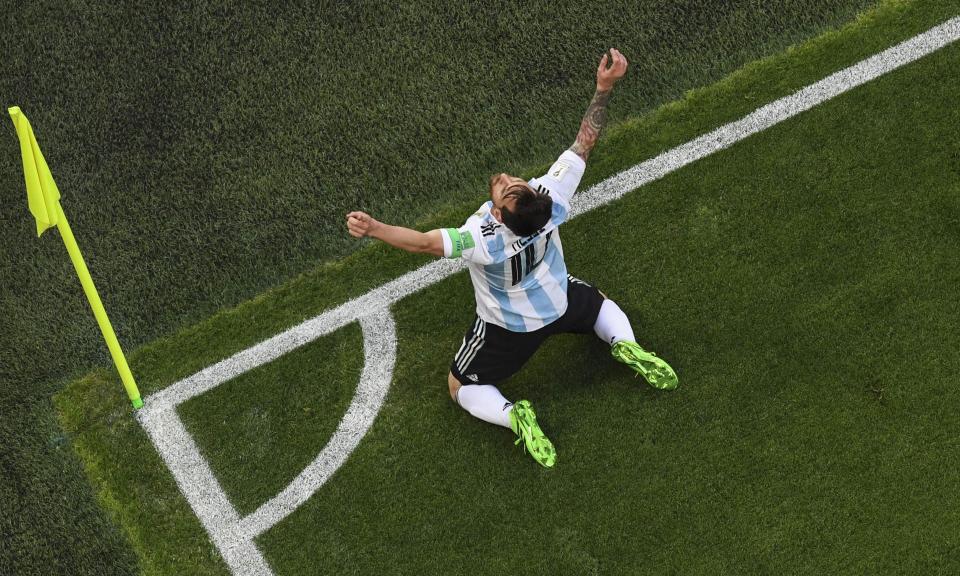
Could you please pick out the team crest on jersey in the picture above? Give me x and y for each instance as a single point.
(558, 170)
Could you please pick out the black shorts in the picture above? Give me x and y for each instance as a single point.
(490, 353)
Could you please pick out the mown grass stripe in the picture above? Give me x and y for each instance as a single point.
(767, 116)
(368, 306)
(601, 193)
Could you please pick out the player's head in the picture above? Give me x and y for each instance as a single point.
(518, 206)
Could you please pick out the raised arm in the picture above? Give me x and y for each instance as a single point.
(596, 115)
(361, 224)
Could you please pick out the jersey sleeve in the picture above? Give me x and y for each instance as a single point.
(564, 176)
(466, 242)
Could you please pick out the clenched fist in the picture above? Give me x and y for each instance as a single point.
(361, 224)
(607, 77)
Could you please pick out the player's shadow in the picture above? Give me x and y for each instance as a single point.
(571, 363)
(575, 374)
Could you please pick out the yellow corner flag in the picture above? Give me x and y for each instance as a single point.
(44, 200)
(42, 193)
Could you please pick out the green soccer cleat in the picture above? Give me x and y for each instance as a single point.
(654, 370)
(524, 424)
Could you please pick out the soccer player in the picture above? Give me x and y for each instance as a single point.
(523, 291)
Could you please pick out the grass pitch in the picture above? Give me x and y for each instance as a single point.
(801, 283)
(815, 348)
(206, 153)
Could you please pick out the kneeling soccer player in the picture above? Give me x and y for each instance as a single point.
(524, 294)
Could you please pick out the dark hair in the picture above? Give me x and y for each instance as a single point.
(531, 212)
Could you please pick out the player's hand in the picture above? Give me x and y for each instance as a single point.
(607, 77)
(360, 224)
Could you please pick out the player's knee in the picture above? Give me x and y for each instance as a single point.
(454, 386)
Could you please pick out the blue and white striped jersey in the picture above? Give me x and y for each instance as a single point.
(519, 283)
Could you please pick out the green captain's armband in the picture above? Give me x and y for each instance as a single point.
(460, 241)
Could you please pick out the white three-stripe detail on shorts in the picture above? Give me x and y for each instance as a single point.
(475, 348)
(468, 348)
(459, 355)
(468, 345)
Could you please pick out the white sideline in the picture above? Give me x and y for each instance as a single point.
(234, 536)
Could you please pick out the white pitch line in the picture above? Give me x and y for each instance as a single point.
(380, 351)
(234, 536)
(197, 482)
(766, 116)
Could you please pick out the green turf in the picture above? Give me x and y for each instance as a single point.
(798, 289)
(801, 284)
(247, 429)
(206, 154)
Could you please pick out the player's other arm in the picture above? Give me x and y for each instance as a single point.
(361, 224)
(596, 116)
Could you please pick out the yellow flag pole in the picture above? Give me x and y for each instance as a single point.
(97, 306)
(44, 200)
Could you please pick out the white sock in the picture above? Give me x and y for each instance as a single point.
(612, 324)
(486, 403)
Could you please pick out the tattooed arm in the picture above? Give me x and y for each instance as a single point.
(596, 115)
